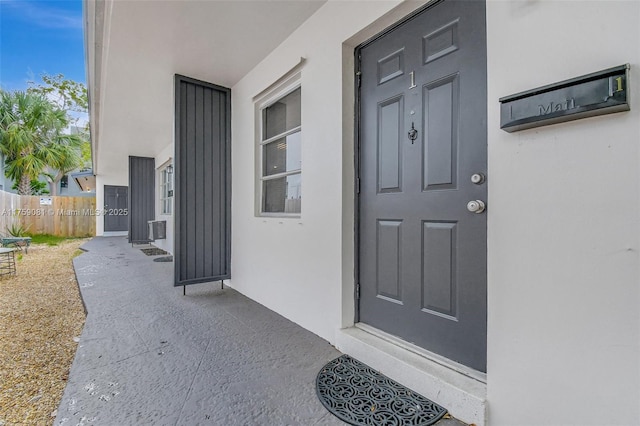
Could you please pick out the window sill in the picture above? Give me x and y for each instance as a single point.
(279, 216)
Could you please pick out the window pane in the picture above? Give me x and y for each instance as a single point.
(282, 116)
(282, 155)
(166, 206)
(282, 195)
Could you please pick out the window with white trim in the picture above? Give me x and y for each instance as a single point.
(166, 190)
(281, 155)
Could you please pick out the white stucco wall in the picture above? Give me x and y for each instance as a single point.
(295, 265)
(563, 224)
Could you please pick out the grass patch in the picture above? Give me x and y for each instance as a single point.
(50, 240)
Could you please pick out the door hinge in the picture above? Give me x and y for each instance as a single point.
(359, 78)
(357, 291)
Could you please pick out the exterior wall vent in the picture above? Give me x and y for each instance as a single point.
(157, 230)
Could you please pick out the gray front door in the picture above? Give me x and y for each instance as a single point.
(116, 210)
(422, 136)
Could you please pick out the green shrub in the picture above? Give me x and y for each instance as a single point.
(17, 230)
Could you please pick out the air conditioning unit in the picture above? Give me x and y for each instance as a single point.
(157, 230)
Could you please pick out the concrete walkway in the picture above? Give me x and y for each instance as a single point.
(149, 355)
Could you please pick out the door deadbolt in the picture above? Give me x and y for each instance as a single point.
(476, 206)
(477, 178)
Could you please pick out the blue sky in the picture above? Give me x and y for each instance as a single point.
(37, 37)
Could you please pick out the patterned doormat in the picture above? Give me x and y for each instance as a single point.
(153, 251)
(359, 395)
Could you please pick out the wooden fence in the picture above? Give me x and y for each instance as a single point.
(61, 216)
(9, 203)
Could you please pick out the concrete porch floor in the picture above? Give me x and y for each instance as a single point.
(149, 355)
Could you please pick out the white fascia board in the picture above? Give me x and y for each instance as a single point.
(96, 20)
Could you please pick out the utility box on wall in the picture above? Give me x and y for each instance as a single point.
(157, 230)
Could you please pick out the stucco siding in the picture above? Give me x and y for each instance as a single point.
(294, 265)
(563, 224)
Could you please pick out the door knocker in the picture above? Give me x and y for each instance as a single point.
(413, 134)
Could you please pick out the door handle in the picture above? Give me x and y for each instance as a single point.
(476, 206)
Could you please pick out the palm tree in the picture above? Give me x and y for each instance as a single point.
(32, 138)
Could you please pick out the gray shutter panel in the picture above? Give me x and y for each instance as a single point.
(202, 182)
(142, 174)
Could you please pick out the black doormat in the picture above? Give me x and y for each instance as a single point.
(163, 259)
(359, 395)
(154, 251)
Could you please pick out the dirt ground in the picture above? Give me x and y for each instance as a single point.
(40, 315)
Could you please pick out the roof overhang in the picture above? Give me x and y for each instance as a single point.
(134, 48)
(85, 180)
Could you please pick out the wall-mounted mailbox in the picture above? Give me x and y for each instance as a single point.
(602, 92)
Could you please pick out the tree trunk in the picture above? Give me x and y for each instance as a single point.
(24, 188)
(53, 187)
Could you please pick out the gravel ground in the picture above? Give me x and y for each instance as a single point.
(40, 315)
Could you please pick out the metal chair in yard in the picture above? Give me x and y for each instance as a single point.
(15, 242)
(7, 261)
